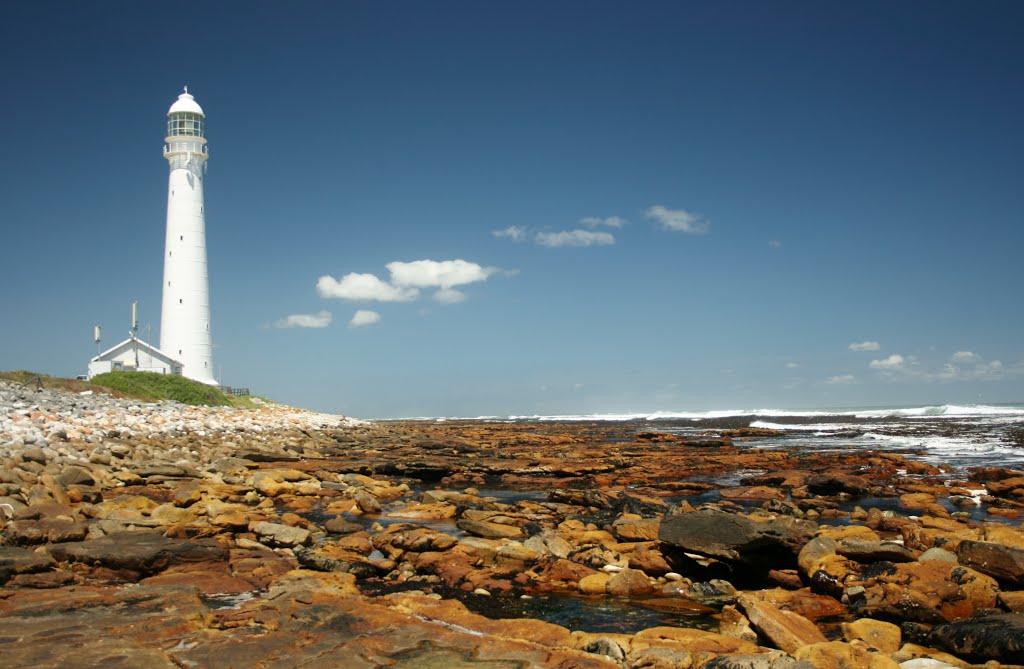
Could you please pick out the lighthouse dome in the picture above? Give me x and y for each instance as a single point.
(185, 103)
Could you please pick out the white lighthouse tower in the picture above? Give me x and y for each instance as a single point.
(185, 316)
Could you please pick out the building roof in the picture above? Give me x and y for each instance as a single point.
(186, 103)
(143, 346)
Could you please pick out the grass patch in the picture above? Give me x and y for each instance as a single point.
(141, 386)
(27, 378)
(249, 401)
(147, 385)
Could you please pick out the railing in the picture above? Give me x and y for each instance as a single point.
(204, 149)
(228, 390)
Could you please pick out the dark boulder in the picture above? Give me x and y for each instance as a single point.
(16, 561)
(339, 525)
(832, 484)
(586, 498)
(864, 551)
(163, 471)
(1002, 563)
(734, 537)
(311, 560)
(75, 475)
(998, 637)
(44, 530)
(992, 473)
(641, 505)
(142, 552)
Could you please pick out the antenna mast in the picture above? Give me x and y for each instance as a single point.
(135, 331)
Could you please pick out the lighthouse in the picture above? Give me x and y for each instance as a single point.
(185, 313)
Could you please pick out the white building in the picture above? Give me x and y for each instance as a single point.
(185, 315)
(133, 355)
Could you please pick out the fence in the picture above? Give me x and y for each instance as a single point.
(228, 390)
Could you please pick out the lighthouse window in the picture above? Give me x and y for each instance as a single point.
(181, 301)
(185, 123)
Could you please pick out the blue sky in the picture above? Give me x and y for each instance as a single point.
(654, 206)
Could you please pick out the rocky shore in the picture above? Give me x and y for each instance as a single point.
(158, 535)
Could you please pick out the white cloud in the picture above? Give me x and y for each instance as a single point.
(961, 366)
(609, 222)
(407, 278)
(318, 320)
(994, 370)
(449, 296)
(989, 371)
(574, 238)
(894, 361)
(678, 220)
(355, 286)
(792, 365)
(841, 380)
(437, 274)
(865, 346)
(363, 317)
(774, 243)
(514, 232)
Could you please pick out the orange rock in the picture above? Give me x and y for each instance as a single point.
(842, 655)
(694, 640)
(732, 623)
(886, 637)
(753, 493)
(450, 566)
(358, 542)
(931, 591)
(1003, 534)
(629, 582)
(453, 612)
(838, 532)
(910, 651)
(420, 511)
(567, 571)
(649, 560)
(630, 527)
(208, 578)
(594, 584)
(340, 506)
(802, 602)
(787, 630)
(1012, 600)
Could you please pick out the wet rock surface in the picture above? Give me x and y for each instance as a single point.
(996, 637)
(158, 535)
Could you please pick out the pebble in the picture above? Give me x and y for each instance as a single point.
(32, 421)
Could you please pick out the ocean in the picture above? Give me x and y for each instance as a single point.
(960, 436)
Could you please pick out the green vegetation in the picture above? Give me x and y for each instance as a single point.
(22, 376)
(143, 386)
(249, 401)
(147, 385)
